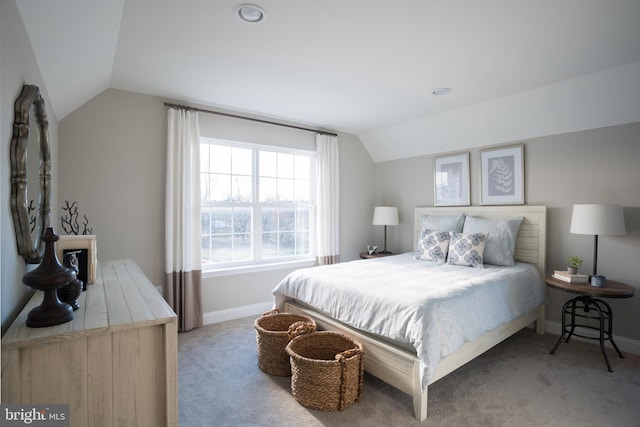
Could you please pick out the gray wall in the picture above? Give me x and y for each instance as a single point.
(112, 163)
(596, 166)
(18, 66)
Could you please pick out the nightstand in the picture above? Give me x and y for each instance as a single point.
(590, 308)
(367, 255)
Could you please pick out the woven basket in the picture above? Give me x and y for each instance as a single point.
(274, 330)
(327, 370)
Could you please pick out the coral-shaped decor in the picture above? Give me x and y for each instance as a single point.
(70, 223)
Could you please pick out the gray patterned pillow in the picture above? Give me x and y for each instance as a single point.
(433, 246)
(467, 249)
(501, 242)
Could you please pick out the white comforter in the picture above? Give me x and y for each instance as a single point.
(435, 308)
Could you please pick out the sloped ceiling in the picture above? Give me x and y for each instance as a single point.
(517, 69)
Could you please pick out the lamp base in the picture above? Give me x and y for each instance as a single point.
(385, 252)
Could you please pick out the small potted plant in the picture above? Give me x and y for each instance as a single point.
(574, 263)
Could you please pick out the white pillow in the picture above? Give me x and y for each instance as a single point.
(501, 242)
(467, 249)
(433, 246)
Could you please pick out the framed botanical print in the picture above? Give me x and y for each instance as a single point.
(502, 175)
(451, 180)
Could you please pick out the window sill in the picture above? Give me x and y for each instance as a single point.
(256, 268)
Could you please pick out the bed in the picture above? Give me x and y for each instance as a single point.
(412, 349)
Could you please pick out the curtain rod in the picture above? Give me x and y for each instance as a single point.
(201, 110)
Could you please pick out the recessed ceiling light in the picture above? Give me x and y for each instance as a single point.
(249, 13)
(441, 91)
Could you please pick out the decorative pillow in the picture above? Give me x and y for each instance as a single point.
(442, 222)
(501, 242)
(467, 249)
(433, 246)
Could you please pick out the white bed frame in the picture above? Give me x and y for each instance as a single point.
(401, 368)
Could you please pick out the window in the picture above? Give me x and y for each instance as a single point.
(257, 204)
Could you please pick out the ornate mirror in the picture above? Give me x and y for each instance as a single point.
(30, 173)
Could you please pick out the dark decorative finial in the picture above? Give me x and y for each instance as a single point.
(48, 277)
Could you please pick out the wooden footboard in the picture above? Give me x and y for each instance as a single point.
(401, 368)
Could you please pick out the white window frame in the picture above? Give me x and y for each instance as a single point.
(257, 263)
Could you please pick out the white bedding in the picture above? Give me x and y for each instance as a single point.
(434, 308)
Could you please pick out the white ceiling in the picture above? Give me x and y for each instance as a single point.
(358, 66)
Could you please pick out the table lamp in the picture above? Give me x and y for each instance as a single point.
(385, 215)
(597, 220)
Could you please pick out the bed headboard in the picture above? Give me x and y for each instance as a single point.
(531, 242)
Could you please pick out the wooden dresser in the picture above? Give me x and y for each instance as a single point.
(115, 364)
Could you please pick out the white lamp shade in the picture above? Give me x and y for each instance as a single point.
(597, 219)
(385, 215)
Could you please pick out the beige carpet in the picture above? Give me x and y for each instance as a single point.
(517, 383)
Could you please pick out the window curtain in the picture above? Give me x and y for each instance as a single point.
(327, 200)
(182, 219)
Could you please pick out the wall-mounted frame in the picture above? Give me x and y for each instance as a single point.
(451, 180)
(87, 259)
(502, 175)
(30, 173)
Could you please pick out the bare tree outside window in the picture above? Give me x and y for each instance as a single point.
(257, 202)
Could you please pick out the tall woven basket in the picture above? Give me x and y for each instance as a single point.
(327, 370)
(274, 330)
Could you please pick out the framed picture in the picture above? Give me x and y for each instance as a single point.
(451, 180)
(502, 176)
(85, 246)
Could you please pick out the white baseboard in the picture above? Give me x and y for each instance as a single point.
(626, 345)
(236, 312)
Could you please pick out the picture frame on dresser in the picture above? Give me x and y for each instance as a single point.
(451, 180)
(502, 175)
(86, 247)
